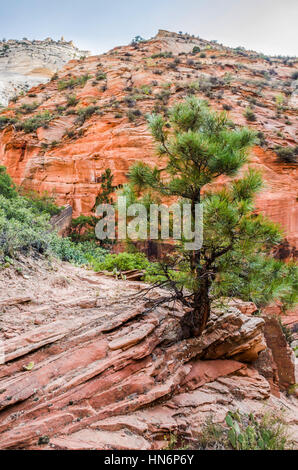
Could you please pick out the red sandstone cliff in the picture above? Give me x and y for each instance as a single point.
(68, 156)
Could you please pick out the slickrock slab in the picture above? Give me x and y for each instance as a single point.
(115, 377)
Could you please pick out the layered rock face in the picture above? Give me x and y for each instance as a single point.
(25, 63)
(86, 366)
(70, 152)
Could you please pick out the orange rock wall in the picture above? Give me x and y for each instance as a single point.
(69, 167)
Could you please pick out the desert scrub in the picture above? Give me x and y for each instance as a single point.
(73, 82)
(246, 432)
(162, 55)
(86, 113)
(101, 76)
(287, 154)
(249, 115)
(133, 115)
(28, 108)
(72, 100)
(6, 121)
(121, 262)
(32, 124)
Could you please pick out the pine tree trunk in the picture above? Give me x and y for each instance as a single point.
(194, 322)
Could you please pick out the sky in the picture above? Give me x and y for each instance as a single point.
(268, 26)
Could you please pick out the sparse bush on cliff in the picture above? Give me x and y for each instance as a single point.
(249, 115)
(196, 49)
(287, 154)
(73, 82)
(133, 115)
(28, 108)
(39, 120)
(162, 55)
(86, 113)
(294, 75)
(137, 39)
(6, 121)
(121, 262)
(101, 76)
(7, 187)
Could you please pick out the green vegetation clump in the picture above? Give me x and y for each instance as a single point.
(7, 188)
(72, 100)
(196, 49)
(249, 115)
(6, 121)
(82, 253)
(43, 203)
(245, 432)
(162, 55)
(86, 113)
(287, 154)
(73, 82)
(28, 108)
(36, 121)
(25, 228)
(101, 76)
(122, 262)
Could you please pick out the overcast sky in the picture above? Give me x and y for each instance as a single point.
(268, 26)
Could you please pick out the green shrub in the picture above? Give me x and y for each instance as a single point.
(7, 187)
(77, 253)
(86, 113)
(287, 154)
(28, 108)
(72, 100)
(43, 203)
(73, 82)
(249, 115)
(33, 123)
(122, 262)
(21, 227)
(101, 76)
(245, 432)
(6, 121)
(25, 227)
(196, 49)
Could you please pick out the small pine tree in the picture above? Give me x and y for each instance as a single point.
(198, 145)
